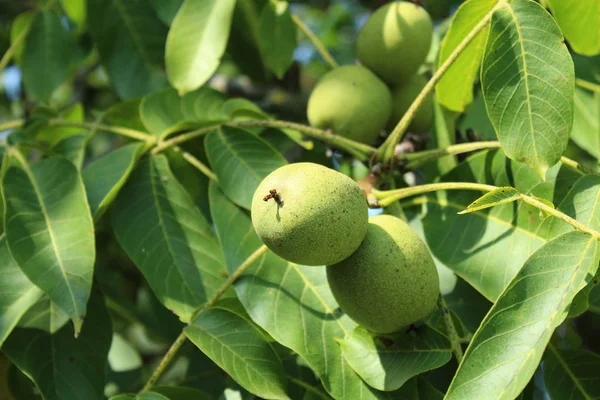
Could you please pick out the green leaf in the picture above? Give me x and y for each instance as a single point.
(455, 89)
(62, 367)
(527, 79)
(165, 393)
(291, 302)
(238, 347)
(46, 56)
(44, 315)
(106, 176)
(166, 9)
(122, 356)
(586, 121)
(502, 195)
(53, 134)
(572, 374)
(130, 40)
(509, 345)
(387, 366)
(50, 232)
(20, 26)
(125, 114)
(163, 232)
(17, 293)
(579, 22)
(241, 161)
(73, 149)
(75, 9)
(197, 41)
(277, 37)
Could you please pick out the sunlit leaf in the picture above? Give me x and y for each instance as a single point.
(241, 161)
(131, 41)
(166, 236)
(50, 233)
(387, 366)
(197, 41)
(579, 22)
(455, 89)
(502, 195)
(237, 346)
(44, 315)
(509, 345)
(75, 9)
(17, 293)
(61, 366)
(527, 79)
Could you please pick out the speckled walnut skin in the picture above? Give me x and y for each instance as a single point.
(321, 216)
(390, 282)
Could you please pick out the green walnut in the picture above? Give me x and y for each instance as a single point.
(390, 281)
(395, 41)
(309, 214)
(402, 97)
(352, 102)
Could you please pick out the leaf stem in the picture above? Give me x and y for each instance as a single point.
(172, 352)
(420, 158)
(6, 57)
(357, 149)
(118, 130)
(316, 42)
(450, 329)
(594, 87)
(17, 123)
(386, 150)
(309, 388)
(197, 164)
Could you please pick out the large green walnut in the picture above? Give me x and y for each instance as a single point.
(352, 102)
(395, 41)
(390, 281)
(309, 214)
(403, 96)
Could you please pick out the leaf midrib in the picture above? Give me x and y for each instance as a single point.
(567, 369)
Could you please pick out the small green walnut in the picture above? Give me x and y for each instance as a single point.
(395, 41)
(403, 96)
(309, 214)
(390, 281)
(352, 102)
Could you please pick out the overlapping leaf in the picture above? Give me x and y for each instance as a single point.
(44, 315)
(455, 89)
(163, 232)
(586, 121)
(61, 366)
(494, 198)
(277, 37)
(237, 346)
(388, 367)
(527, 78)
(166, 393)
(572, 374)
(50, 232)
(579, 22)
(131, 41)
(292, 303)
(241, 161)
(46, 55)
(509, 345)
(106, 176)
(197, 41)
(17, 293)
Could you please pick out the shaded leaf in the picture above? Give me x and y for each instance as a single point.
(46, 55)
(455, 89)
(292, 303)
(579, 22)
(509, 345)
(277, 37)
(586, 121)
(166, 236)
(388, 366)
(527, 79)
(166, 9)
(62, 367)
(106, 176)
(20, 26)
(50, 232)
(196, 42)
(73, 149)
(17, 293)
(236, 345)
(44, 315)
(131, 40)
(241, 161)
(502, 195)
(572, 374)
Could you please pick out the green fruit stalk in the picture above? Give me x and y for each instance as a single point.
(390, 281)
(352, 102)
(309, 214)
(395, 41)
(403, 96)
